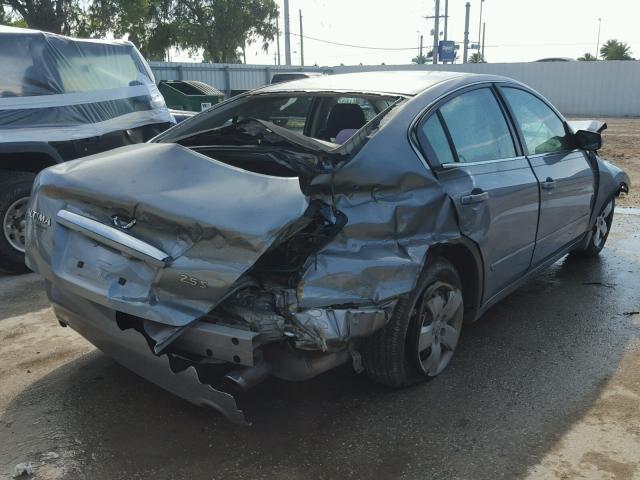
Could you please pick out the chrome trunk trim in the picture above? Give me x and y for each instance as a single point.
(114, 238)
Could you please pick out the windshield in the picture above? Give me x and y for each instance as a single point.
(330, 118)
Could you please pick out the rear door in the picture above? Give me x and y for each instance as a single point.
(564, 173)
(470, 144)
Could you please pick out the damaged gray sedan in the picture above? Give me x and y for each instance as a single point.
(355, 218)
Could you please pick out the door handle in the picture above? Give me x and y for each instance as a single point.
(477, 195)
(548, 184)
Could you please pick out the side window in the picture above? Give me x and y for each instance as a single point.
(543, 131)
(477, 127)
(437, 139)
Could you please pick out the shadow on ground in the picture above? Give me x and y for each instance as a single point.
(523, 374)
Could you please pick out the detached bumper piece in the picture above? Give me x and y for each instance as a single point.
(130, 348)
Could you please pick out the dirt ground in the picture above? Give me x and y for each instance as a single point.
(545, 386)
(622, 147)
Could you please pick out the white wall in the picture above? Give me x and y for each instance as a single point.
(580, 88)
(609, 88)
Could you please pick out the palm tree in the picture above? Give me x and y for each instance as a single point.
(615, 50)
(477, 58)
(419, 59)
(587, 57)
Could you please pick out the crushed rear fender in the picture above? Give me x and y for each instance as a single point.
(211, 221)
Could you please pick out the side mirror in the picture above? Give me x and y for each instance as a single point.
(588, 140)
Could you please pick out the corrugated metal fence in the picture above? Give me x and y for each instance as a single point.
(609, 88)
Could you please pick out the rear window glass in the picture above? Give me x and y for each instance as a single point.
(287, 112)
(331, 118)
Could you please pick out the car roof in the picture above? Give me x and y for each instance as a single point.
(309, 74)
(7, 30)
(398, 82)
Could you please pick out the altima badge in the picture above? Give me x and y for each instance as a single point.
(123, 223)
(39, 218)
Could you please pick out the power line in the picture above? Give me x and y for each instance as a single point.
(354, 46)
(365, 47)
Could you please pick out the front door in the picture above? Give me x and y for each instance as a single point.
(565, 175)
(489, 180)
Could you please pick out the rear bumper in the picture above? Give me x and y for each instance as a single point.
(129, 348)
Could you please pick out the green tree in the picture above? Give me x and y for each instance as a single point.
(615, 50)
(221, 28)
(149, 24)
(4, 16)
(419, 59)
(587, 57)
(477, 58)
(57, 16)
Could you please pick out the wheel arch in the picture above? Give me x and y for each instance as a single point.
(464, 255)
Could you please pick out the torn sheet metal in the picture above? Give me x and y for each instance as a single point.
(331, 330)
(179, 200)
(56, 88)
(98, 325)
(396, 210)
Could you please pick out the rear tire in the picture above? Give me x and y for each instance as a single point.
(15, 189)
(600, 231)
(419, 340)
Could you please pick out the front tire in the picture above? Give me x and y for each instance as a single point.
(420, 339)
(600, 231)
(15, 189)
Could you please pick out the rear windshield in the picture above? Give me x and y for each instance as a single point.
(38, 65)
(329, 117)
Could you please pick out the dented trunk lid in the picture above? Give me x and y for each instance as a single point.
(156, 230)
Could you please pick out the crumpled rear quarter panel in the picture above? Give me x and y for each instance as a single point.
(396, 210)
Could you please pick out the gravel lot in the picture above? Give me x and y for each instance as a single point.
(622, 147)
(546, 385)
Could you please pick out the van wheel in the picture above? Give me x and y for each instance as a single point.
(15, 189)
(420, 339)
(600, 231)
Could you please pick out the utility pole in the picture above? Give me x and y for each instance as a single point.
(465, 55)
(278, 37)
(436, 32)
(484, 26)
(301, 40)
(480, 26)
(421, 46)
(287, 35)
(446, 18)
(598, 44)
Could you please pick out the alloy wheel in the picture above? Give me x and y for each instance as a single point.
(14, 223)
(601, 227)
(437, 313)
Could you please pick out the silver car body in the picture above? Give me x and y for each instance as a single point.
(172, 261)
